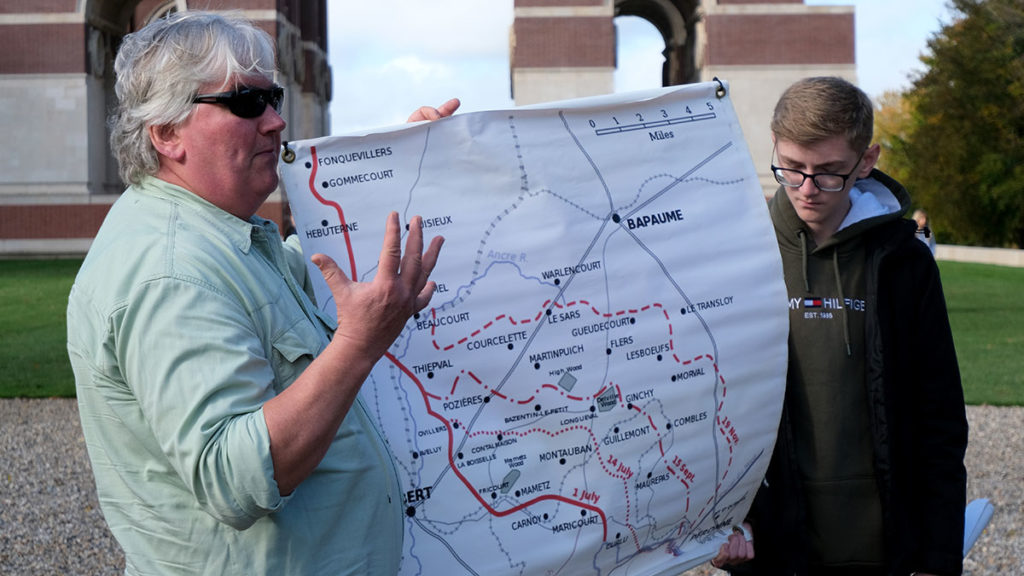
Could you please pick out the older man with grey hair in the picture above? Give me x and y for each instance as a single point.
(218, 404)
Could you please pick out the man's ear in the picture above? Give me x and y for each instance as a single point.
(870, 159)
(167, 142)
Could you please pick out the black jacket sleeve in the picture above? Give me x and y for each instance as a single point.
(925, 419)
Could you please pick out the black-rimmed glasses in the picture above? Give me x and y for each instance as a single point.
(246, 102)
(824, 181)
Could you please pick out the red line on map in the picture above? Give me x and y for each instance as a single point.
(469, 485)
(337, 207)
(427, 397)
(614, 473)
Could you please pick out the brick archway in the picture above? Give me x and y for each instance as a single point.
(566, 49)
(56, 68)
(676, 21)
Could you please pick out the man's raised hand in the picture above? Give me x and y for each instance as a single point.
(372, 314)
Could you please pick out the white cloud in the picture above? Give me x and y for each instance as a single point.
(390, 57)
(435, 28)
(386, 91)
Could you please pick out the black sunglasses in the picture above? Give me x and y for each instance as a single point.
(246, 102)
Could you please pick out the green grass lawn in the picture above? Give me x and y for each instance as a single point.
(33, 351)
(986, 309)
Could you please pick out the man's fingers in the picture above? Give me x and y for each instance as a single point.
(417, 264)
(424, 113)
(391, 250)
(429, 261)
(429, 113)
(735, 550)
(332, 274)
(722, 555)
(423, 298)
(414, 265)
(412, 260)
(449, 107)
(431, 255)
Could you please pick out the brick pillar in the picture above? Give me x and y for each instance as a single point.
(562, 49)
(57, 177)
(761, 47)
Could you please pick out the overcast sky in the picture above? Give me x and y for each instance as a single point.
(391, 56)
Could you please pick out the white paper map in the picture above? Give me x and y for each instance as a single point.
(596, 385)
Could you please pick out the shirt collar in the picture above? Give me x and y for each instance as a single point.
(238, 230)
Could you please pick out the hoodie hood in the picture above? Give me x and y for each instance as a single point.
(873, 201)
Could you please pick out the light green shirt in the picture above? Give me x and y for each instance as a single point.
(183, 321)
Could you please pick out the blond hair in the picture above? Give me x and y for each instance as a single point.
(818, 108)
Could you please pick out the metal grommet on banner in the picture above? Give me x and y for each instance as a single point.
(288, 155)
(720, 91)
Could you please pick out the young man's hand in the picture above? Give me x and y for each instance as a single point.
(737, 550)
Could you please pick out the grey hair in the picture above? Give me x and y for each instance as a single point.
(160, 69)
(814, 109)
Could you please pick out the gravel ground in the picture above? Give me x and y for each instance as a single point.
(50, 522)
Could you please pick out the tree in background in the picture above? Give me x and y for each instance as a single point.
(893, 125)
(957, 136)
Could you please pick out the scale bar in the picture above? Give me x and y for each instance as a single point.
(649, 125)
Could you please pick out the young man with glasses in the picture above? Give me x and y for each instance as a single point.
(867, 476)
(219, 405)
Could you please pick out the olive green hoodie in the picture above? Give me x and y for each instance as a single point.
(826, 394)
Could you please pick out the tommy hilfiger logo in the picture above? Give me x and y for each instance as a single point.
(817, 302)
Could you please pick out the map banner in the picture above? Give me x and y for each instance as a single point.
(596, 384)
